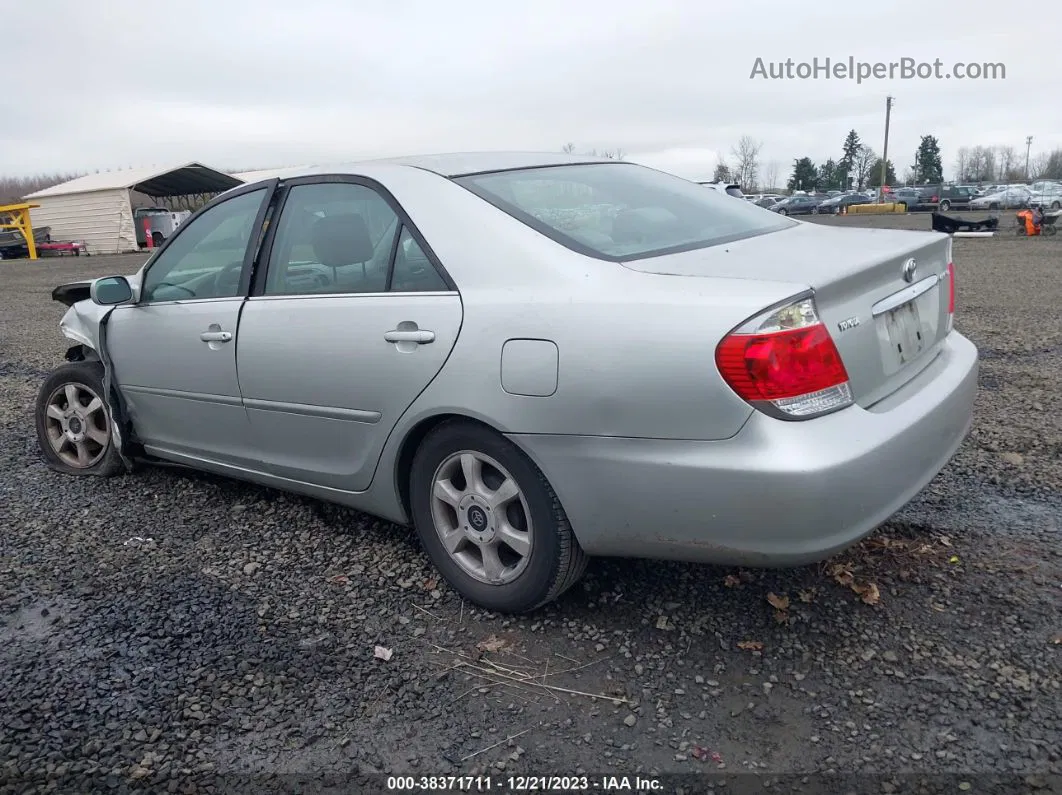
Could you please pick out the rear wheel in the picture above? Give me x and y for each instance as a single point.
(74, 422)
(157, 239)
(1049, 230)
(489, 520)
(814, 210)
(945, 205)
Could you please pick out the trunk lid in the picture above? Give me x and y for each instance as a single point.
(886, 327)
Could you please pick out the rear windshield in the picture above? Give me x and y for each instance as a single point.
(621, 211)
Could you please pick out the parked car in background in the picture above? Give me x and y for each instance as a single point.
(838, 204)
(729, 188)
(1050, 198)
(953, 197)
(159, 222)
(1008, 199)
(768, 201)
(363, 346)
(798, 205)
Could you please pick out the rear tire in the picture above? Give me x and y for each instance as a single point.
(474, 488)
(157, 239)
(74, 428)
(945, 206)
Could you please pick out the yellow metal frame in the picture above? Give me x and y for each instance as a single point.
(19, 219)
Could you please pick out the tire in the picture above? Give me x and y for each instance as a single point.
(1050, 230)
(944, 206)
(814, 210)
(1056, 205)
(157, 239)
(79, 443)
(783, 211)
(554, 561)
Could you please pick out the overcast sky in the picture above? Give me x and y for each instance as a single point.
(243, 84)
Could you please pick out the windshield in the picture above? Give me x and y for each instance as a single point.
(621, 211)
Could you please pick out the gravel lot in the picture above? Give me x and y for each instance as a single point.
(175, 632)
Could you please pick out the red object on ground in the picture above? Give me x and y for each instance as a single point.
(149, 241)
(62, 248)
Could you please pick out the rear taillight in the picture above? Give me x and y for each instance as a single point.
(951, 295)
(785, 362)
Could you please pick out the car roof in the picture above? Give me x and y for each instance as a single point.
(456, 164)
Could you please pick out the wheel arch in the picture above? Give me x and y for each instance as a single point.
(411, 442)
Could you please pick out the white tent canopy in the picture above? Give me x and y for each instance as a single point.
(96, 208)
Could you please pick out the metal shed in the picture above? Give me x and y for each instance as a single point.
(97, 209)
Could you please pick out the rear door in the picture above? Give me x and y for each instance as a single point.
(349, 321)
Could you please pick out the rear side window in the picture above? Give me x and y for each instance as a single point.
(621, 211)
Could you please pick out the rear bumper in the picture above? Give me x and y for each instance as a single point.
(776, 494)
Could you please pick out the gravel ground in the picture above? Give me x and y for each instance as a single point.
(175, 632)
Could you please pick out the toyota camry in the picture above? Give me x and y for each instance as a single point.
(532, 359)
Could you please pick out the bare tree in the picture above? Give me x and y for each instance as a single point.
(1005, 156)
(613, 154)
(770, 175)
(747, 154)
(864, 161)
(962, 164)
(568, 148)
(1038, 165)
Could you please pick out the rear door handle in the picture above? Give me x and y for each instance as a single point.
(419, 336)
(216, 336)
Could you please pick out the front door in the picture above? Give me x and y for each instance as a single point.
(347, 325)
(174, 351)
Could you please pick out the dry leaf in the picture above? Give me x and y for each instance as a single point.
(731, 581)
(953, 559)
(807, 596)
(781, 616)
(870, 594)
(1057, 639)
(750, 645)
(493, 644)
(843, 576)
(778, 602)
(430, 585)
(339, 579)
(382, 653)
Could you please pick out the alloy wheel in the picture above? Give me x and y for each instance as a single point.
(76, 425)
(481, 517)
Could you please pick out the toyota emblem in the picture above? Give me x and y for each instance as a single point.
(909, 269)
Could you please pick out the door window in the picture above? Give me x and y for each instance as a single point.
(332, 237)
(206, 259)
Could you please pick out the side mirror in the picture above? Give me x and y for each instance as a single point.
(111, 290)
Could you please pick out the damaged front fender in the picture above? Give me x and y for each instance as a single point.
(85, 322)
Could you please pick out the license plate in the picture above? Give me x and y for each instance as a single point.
(905, 333)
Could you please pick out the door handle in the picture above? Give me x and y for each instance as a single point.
(419, 336)
(216, 336)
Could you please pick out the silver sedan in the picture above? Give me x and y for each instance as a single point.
(532, 359)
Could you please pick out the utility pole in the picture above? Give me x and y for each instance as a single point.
(885, 148)
(1028, 148)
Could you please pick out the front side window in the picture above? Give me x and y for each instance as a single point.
(206, 259)
(621, 211)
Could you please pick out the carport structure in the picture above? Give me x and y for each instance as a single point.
(98, 209)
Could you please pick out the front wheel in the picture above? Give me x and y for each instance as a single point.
(783, 211)
(489, 520)
(1049, 230)
(74, 422)
(814, 210)
(945, 206)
